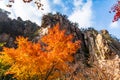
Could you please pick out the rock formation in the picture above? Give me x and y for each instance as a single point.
(10, 29)
(94, 45)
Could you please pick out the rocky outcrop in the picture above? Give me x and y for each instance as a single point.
(94, 45)
(110, 46)
(10, 29)
(4, 15)
(50, 20)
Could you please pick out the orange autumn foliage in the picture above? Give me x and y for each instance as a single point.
(31, 61)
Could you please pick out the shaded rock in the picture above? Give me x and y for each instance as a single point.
(4, 37)
(10, 29)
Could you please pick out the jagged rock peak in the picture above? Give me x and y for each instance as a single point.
(104, 31)
(50, 20)
(94, 44)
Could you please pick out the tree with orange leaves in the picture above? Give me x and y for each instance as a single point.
(33, 61)
(116, 9)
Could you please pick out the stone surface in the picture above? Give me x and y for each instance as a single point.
(94, 44)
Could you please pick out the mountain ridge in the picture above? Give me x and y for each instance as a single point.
(98, 57)
(93, 43)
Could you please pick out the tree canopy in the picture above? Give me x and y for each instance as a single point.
(34, 61)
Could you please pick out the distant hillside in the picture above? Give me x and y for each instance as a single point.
(10, 29)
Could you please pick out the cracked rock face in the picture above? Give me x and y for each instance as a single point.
(102, 46)
(97, 45)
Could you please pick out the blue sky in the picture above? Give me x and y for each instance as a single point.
(87, 13)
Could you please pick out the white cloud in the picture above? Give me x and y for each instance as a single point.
(62, 5)
(78, 3)
(115, 24)
(3, 4)
(46, 6)
(27, 11)
(57, 2)
(82, 13)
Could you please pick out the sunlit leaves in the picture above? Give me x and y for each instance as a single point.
(2, 44)
(31, 61)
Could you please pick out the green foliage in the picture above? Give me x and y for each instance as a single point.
(2, 44)
(3, 69)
